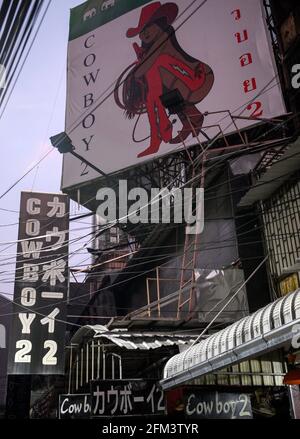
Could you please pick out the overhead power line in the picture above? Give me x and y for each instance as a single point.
(16, 48)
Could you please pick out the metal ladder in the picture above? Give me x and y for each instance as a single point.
(186, 296)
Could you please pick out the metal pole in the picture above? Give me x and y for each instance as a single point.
(89, 163)
(196, 241)
(87, 363)
(70, 369)
(148, 297)
(104, 360)
(93, 359)
(194, 132)
(120, 368)
(77, 370)
(81, 368)
(98, 358)
(158, 290)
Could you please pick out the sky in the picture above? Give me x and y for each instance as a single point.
(35, 112)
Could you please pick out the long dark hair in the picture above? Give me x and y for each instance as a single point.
(134, 92)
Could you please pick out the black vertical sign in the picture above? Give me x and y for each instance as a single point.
(41, 280)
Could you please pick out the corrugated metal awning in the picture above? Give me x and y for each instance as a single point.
(266, 330)
(274, 177)
(131, 340)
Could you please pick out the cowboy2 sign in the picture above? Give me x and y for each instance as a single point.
(124, 59)
(38, 329)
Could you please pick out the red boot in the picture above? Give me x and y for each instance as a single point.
(156, 142)
(160, 126)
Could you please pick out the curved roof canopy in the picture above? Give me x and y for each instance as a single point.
(267, 329)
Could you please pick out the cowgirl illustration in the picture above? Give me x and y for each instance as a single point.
(162, 66)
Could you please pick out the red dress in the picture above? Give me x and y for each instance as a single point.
(161, 128)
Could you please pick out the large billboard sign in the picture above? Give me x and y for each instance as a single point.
(37, 336)
(128, 59)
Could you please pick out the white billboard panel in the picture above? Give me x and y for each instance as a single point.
(123, 56)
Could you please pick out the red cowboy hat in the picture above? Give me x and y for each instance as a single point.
(151, 13)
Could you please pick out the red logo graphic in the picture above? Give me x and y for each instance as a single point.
(162, 66)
